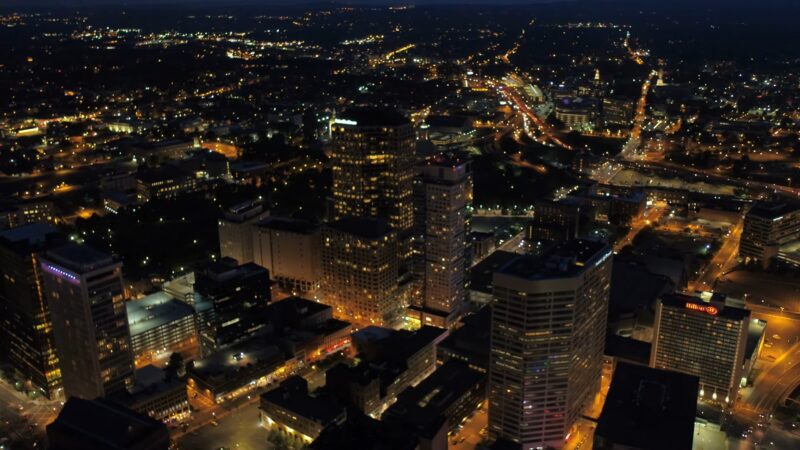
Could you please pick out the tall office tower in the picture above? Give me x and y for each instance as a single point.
(26, 328)
(291, 250)
(373, 170)
(236, 230)
(85, 294)
(548, 332)
(359, 271)
(703, 338)
(231, 299)
(767, 227)
(442, 194)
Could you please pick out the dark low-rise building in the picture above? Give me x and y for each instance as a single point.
(363, 432)
(157, 394)
(648, 409)
(103, 425)
(452, 392)
(470, 342)
(291, 409)
(228, 373)
(390, 362)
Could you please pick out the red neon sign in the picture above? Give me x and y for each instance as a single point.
(708, 309)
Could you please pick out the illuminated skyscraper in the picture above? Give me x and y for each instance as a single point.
(548, 332)
(90, 324)
(27, 332)
(442, 194)
(359, 271)
(373, 170)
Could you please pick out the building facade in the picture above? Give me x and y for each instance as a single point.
(160, 325)
(360, 271)
(766, 228)
(373, 169)
(85, 293)
(442, 195)
(548, 332)
(230, 299)
(706, 339)
(27, 330)
(235, 230)
(292, 252)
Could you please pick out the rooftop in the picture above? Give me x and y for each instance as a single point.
(79, 258)
(427, 402)
(383, 344)
(481, 275)
(247, 354)
(292, 395)
(103, 424)
(771, 211)
(155, 310)
(563, 260)
(226, 270)
(363, 432)
(149, 382)
(649, 408)
(471, 340)
(35, 232)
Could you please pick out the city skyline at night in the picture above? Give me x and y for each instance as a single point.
(425, 225)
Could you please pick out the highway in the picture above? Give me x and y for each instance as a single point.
(779, 362)
(772, 385)
(544, 128)
(711, 176)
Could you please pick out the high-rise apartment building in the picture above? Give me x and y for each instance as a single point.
(360, 271)
(25, 325)
(548, 332)
(236, 230)
(373, 169)
(85, 294)
(767, 227)
(704, 337)
(232, 299)
(442, 195)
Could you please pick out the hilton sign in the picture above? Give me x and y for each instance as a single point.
(708, 309)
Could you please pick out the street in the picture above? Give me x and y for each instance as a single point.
(24, 420)
(724, 260)
(650, 216)
(470, 434)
